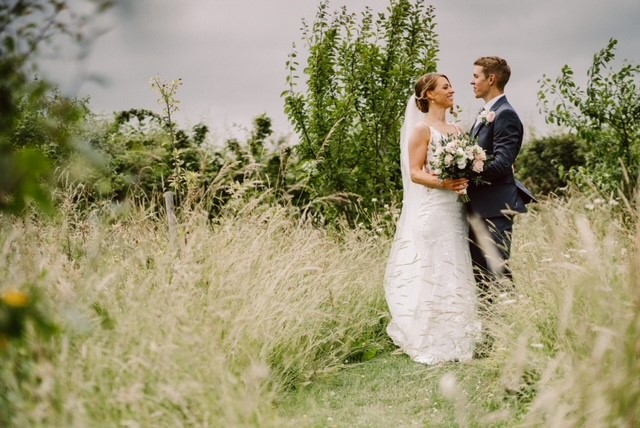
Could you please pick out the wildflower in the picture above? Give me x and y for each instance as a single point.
(15, 298)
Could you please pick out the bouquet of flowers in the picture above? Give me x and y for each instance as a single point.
(458, 156)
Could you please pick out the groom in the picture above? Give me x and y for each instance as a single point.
(494, 203)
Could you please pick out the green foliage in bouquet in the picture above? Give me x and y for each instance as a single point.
(348, 109)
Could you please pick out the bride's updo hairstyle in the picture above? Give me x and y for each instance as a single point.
(423, 85)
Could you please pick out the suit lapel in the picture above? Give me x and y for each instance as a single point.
(476, 129)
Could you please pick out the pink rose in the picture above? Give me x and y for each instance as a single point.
(486, 117)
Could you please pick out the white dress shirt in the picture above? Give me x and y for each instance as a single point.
(487, 107)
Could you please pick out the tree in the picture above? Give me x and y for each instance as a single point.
(34, 120)
(606, 115)
(348, 111)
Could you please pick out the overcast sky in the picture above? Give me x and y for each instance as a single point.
(231, 54)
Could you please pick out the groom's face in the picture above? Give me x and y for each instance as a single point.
(480, 82)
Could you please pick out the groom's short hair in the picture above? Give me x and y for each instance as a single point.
(496, 66)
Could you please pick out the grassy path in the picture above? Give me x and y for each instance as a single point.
(393, 391)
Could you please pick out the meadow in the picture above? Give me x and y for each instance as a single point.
(255, 306)
(258, 319)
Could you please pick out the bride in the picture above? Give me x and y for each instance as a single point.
(429, 284)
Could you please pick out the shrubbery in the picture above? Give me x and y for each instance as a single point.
(145, 155)
(228, 289)
(545, 163)
(36, 123)
(606, 116)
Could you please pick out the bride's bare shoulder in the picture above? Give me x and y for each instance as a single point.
(422, 130)
(422, 127)
(458, 128)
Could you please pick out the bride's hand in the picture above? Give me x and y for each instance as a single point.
(458, 185)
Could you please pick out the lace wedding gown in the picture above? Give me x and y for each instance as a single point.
(429, 284)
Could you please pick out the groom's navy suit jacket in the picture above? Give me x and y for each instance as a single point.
(501, 139)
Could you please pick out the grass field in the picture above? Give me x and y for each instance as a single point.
(259, 320)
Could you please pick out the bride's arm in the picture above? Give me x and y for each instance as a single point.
(418, 148)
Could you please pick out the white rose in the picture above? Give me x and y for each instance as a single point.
(451, 147)
(470, 153)
(448, 159)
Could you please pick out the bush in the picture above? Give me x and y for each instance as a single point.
(141, 156)
(544, 163)
(145, 155)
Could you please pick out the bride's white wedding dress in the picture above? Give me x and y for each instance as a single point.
(429, 284)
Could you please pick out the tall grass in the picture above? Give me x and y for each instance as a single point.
(205, 333)
(570, 339)
(212, 327)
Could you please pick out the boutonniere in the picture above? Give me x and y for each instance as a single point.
(486, 117)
